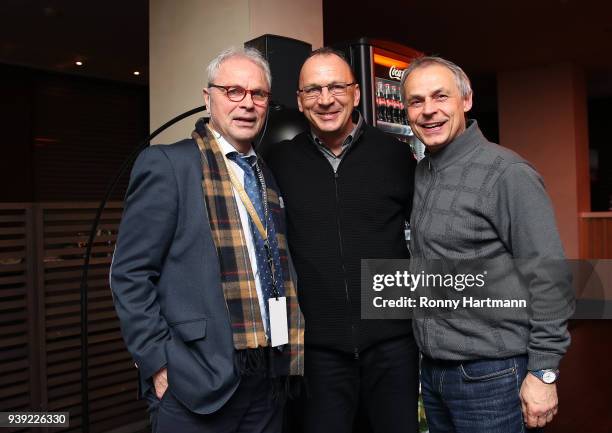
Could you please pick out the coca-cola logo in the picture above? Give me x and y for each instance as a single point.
(395, 74)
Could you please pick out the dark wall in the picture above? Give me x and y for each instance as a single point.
(600, 143)
(16, 139)
(484, 104)
(65, 136)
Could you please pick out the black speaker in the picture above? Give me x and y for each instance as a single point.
(283, 124)
(285, 56)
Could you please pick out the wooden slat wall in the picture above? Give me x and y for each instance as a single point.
(596, 235)
(112, 377)
(40, 334)
(18, 359)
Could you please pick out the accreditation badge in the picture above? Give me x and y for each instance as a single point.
(278, 321)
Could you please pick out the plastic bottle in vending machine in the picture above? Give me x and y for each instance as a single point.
(396, 105)
(403, 118)
(381, 105)
(392, 116)
(388, 103)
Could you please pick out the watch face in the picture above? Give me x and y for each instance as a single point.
(549, 376)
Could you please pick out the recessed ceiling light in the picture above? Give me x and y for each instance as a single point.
(136, 73)
(49, 12)
(78, 63)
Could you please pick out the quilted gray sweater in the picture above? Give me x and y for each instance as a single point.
(478, 200)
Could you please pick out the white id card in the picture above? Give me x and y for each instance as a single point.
(278, 321)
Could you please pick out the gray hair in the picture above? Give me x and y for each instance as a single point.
(462, 80)
(247, 53)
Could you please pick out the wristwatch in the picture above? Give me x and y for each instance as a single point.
(547, 375)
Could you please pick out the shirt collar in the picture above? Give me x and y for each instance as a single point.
(226, 147)
(349, 139)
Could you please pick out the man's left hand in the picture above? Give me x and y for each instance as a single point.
(539, 401)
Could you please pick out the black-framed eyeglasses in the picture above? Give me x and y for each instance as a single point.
(237, 93)
(336, 89)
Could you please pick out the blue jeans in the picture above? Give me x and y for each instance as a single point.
(475, 396)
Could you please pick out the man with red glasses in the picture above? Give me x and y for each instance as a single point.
(347, 189)
(201, 279)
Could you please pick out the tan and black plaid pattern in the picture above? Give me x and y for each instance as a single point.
(237, 277)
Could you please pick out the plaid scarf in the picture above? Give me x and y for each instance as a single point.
(237, 277)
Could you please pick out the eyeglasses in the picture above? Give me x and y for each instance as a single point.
(336, 89)
(237, 93)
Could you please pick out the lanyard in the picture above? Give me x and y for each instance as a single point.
(248, 204)
(244, 197)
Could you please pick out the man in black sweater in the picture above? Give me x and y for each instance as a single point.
(347, 189)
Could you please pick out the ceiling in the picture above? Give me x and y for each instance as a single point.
(110, 37)
(484, 36)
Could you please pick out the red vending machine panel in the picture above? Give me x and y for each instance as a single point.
(379, 66)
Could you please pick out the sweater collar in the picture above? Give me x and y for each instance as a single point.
(357, 131)
(467, 141)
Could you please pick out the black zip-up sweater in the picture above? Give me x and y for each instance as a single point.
(335, 220)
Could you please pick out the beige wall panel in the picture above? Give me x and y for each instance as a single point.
(297, 19)
(183, 37)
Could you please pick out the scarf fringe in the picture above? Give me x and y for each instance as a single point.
(252, 361)
(287, 387)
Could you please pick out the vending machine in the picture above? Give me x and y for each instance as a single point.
(379, 66)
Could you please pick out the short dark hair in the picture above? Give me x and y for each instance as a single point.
(329, 51)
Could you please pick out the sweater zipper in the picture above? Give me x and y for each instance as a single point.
(423, 208)
(344, 277)
(346, 291)
(422, 212)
